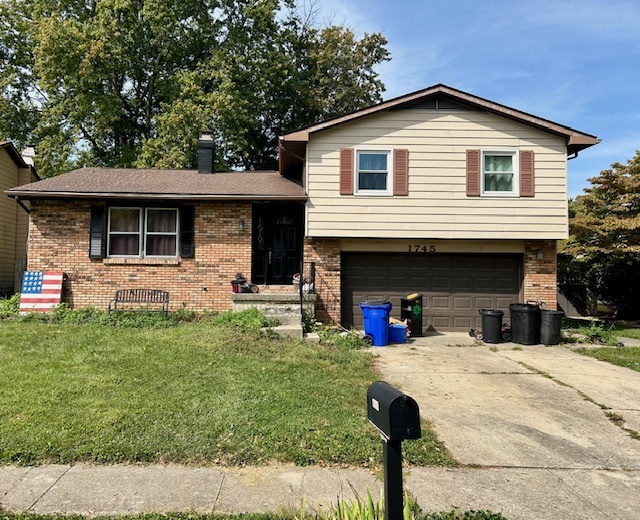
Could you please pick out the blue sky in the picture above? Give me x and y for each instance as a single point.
(575, 62)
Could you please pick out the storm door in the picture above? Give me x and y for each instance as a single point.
(277, 242)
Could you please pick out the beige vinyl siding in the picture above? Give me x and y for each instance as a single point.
(8, 216)
(437, 205)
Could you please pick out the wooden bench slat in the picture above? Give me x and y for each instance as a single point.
(140, 296)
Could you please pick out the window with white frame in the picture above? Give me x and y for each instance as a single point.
(142, 232)
(373, 176)
(499, 173)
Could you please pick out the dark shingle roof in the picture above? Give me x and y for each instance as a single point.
(178, 184)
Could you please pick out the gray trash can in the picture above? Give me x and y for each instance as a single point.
(491, 325)
(525, 323)
(550, 327)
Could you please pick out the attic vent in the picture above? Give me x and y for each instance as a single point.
(440, 103)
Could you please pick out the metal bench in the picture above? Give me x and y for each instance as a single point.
(140, 300)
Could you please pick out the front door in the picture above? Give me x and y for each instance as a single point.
(277, 242)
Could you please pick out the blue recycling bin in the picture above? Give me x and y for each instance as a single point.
(375, 316)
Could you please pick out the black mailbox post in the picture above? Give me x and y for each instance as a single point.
(397, 417)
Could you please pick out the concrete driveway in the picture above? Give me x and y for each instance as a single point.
(531, 428)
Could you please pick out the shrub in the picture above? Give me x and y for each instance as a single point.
(348, 340)
(10, 306)
(248, 320)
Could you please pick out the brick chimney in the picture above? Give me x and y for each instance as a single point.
(206, 153)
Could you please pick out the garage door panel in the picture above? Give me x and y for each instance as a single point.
(440, 302)
(504, 264)
(503, 303)
(462, 284)
(440, 322)
(462, 303)
(454, 286)
(463, 322)
(484, 284)
(483, 302)
(439, 283)
(440, 264)
(462, 263)
(484, 264)
(505, 284)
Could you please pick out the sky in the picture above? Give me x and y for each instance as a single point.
(574, 62)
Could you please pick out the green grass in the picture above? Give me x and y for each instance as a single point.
(626, 331)
(628, 357)
(454, 514)
(188, 393)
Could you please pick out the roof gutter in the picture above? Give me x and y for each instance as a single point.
(88, 195)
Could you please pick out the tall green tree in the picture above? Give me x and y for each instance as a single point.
(604, 243)
(132, 82)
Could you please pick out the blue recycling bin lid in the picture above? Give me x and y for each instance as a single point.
(374, 303)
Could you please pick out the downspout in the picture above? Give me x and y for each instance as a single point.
(28, 210)
(572, 156)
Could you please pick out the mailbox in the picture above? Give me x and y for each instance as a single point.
(395, 414)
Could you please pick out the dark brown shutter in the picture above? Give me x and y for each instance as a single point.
(187, 243)
(96, 232)
(473, 173)
(346, 171)
(401, 172)
(527, 183)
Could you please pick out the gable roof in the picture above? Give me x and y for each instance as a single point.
(130, 183)
(575, 139)
(14, 154)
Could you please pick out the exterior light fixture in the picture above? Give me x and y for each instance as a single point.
(539, 254)
(241, 225)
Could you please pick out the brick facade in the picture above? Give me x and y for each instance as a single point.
(59, 239)
(540, 274)
(326, 254)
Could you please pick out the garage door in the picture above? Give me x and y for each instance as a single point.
(454, 286)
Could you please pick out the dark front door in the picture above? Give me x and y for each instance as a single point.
(277, 242)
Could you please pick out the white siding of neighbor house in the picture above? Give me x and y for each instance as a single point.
(437, 206)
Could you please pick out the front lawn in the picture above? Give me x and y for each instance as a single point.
(191, 393)
(625, 357)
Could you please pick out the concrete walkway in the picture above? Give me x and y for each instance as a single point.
(529, 427)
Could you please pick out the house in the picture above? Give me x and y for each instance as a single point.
(437, 192)
(14, 222)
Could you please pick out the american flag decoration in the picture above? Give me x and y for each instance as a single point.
(41, 291)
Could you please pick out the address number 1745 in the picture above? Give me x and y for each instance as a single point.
(421, 249)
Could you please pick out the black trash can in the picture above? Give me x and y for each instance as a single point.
(491, 325)
(525, 323)
(550, 327)
(411, 310)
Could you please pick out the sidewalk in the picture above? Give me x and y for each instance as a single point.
(519, 493)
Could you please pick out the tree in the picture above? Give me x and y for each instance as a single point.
(604, 243)
(273, 78)
(132, 82)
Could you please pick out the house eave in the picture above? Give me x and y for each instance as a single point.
(576, 140)
(146, 196)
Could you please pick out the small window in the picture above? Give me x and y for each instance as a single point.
(372, 172)
(499, 173)
(140, 232)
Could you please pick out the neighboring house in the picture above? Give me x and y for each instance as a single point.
(14, 221)
(437, 192)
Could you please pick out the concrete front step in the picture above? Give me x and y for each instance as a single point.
(284, 307)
